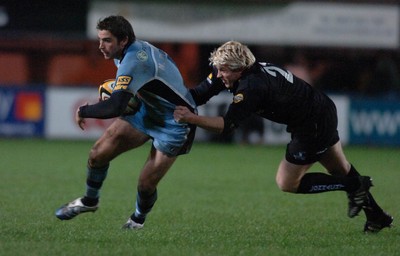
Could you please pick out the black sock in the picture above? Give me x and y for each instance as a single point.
(320, 182)
(375, 210)
(353, 172)
(88, 201)
(144, 203)
(94, 181)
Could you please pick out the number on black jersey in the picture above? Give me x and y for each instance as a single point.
(271, 70)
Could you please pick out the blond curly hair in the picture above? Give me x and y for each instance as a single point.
(234, 55)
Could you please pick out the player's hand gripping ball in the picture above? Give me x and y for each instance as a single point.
(105, 90)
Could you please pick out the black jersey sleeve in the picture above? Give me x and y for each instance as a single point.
(207, 89)
(113, 107)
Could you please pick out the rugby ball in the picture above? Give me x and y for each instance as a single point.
(105, 91)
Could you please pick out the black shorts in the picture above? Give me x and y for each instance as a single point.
(189, 142)
(311, 140)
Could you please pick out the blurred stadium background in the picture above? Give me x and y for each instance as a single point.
(50, 64)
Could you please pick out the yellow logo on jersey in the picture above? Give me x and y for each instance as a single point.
(123, 82)
(209, 78)
(238, 98)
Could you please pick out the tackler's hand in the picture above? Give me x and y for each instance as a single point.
(182, 114)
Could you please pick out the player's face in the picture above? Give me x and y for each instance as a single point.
(109, 45)
(228, 76)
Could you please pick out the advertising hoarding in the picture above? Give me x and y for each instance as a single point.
(62, 104)
(374, 122)
(22, 111)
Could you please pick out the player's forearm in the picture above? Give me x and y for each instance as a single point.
(214, 124)
(110, 108)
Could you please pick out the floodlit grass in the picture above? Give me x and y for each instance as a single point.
(218, 200)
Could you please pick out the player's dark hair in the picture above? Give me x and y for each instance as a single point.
(118, 26)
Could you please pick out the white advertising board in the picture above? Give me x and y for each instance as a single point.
(61, 105)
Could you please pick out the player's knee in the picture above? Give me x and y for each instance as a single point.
(285, 186)
(95, 159)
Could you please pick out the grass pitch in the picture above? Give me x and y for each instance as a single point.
(218, 200)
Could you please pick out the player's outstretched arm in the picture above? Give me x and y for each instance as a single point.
(184, 115)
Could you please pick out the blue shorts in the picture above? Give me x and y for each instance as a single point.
(169, 136)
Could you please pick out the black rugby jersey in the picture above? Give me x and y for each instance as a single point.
(269, 91)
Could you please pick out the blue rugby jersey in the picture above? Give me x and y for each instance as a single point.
(150, 73)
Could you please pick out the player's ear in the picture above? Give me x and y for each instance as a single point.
(124, 42)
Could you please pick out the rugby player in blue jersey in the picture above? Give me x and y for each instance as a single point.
(274, 93)
(149, 74)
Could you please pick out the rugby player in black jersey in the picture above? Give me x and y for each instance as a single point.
(276, 94)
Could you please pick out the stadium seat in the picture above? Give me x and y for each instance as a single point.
(14, 69)
(75, 70)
